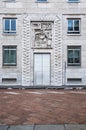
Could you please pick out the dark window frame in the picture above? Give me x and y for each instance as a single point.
(11, 28)
(74, 29)
(9, 0)
(9, 48)
(73, 1)
(41, 1)
(74, 49)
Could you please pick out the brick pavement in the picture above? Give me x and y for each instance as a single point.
(42, 106)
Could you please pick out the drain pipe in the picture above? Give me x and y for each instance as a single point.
(65, 73)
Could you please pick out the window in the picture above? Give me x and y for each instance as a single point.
(74, 55)
(9, 0)
(41, 0)
(9, 80)
(9, 25)
(9, 55)
(73, 26)
(73, 0)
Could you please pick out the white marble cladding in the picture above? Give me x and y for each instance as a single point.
(28, 50)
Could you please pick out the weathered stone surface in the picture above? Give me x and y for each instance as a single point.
(20, 127)
(3, 127)
(75, 127)
(49, 127)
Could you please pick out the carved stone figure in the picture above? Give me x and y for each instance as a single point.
(42, 34)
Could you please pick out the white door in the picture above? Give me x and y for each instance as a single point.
(41, 69)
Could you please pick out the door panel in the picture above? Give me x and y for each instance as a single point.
(37, 69)
(41, 69)
(46, 69)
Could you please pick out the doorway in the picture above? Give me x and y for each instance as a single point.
(41, 69)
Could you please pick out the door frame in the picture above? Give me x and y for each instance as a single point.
(34, 67)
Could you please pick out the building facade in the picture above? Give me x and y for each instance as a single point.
(42, 43)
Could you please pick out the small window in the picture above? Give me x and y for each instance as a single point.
(41, 0)
(9, 55)
(73, 26)
(74, 55)
(9, 25)
(9, 80)
(72, 80)
(73, 0)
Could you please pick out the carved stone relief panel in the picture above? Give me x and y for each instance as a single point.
(42, 34)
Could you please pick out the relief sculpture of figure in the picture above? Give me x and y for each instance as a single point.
(42, 34)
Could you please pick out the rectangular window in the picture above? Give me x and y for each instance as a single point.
(9, 80)
(9, 25)
(74, 55)
(73, 0)
(9, 55)
(41, 0)
(9, 0)
(73, 26)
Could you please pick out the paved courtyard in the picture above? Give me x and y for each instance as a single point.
(42, 106)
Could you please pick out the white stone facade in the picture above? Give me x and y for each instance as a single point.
(41, 31)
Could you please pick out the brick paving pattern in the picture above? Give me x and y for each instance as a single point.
(42, 106)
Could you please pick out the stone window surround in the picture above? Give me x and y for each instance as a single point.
(10, 47)
(10, 28)
(75, 16)
(74, 32)
(74, 48)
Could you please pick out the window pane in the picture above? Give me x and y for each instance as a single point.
(7, 24)
(6, 56)
(13, 24)
(77, 56)
(12, 56)
(76, 25)
(70, 53)
(70, 25)
(70, 56)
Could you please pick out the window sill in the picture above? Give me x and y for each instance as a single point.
(73, 67)
(73, 34)
(73, 2)
(9, 67)
(9, 34)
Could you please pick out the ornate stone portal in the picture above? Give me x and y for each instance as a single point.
(42, 34)
(37, 36)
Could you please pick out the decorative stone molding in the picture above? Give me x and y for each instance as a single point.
(39, 19)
